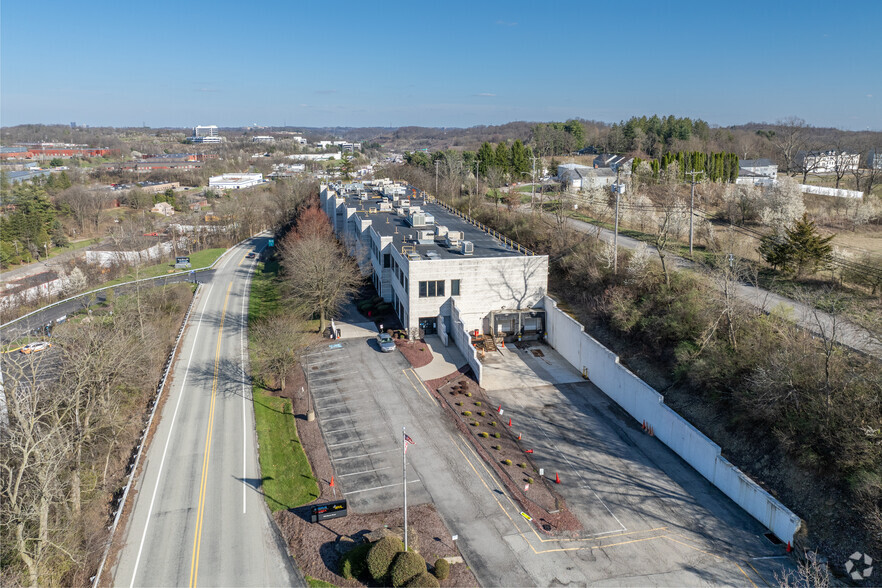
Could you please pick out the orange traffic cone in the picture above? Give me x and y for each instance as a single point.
(519, 436)
(332, 482)
(789, 549)
(556, 478)
(529, 451)
(509, 422)
(503, 343)
(644, 425)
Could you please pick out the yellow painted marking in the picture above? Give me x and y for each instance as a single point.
(759, 574)
(415, 389)
(526, 516)
(740, 569)
(197, 538)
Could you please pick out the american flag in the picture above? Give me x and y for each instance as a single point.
(407, 441)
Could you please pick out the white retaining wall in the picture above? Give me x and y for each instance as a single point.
(644, 403)
(825, 191)
(463, 341)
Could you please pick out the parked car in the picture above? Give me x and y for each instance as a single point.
(250, 255)
(36, 346)
(386, 343)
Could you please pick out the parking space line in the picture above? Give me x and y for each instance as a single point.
(348, 416)
(350, 404)
(340, 430)
(379, 487)
(333, 375)
(324, 352)
(354, 442)
(364, 472)
(364, 455)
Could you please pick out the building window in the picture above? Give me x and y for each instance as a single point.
(432, 289)
(387, 260)
(454, 287)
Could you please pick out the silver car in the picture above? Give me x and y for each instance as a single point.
(386, 343)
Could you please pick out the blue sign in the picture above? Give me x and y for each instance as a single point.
(272, 242)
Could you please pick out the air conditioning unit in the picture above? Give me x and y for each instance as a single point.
(418, 219)
(440, 230)
(425, 237)
(467, 248)
(453, 238)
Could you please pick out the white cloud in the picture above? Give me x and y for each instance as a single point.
(485, 94)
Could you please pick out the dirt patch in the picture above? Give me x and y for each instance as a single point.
(317, 547)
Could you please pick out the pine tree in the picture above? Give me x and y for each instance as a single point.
(486, 157)
(810, 250)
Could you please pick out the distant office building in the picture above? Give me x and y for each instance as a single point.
(234, 181)
(262, 139)
(205, 134)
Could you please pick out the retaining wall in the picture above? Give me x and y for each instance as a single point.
(464, 342)
(568, 337)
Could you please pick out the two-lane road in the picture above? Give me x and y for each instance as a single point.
(198, 517)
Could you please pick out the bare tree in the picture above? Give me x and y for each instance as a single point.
(789, 139)
(278, 340)
(319, 273)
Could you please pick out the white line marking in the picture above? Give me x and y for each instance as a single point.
(365, 472)
(364, 455)
(168, 439)
(340, 430)
(354, 442)
(348, 416)
(379, 487)
(770, 557)
(243, 328)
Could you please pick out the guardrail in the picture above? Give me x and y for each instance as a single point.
(505, 240)
(97, 290)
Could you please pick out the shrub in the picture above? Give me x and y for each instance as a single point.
(522, 465)
(353, 563)
(424, 580)
(475, 423)
(380, 556)
(492, 423)
(506, 461)
(466, 413)
(497, 447)
(459, 403)
(529, 480)
(485, 434)
(442, 568)
(482, 413)
(477, 403)
(468, 394)
(406, 566)
(497, 435)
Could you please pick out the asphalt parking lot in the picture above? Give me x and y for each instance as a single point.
(363, 438)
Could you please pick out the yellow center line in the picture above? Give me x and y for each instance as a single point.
(429, 394)
(197, 538)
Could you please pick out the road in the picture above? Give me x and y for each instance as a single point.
(811, 319)
(196, 518)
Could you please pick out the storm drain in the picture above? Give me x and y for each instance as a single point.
(771, 537)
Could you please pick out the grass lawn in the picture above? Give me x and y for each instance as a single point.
(288, 480)
(316, 583)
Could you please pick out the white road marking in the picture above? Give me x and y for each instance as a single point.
(380, 487)
(354, 442)
(365, 472)
(168, 440)
(365, 455)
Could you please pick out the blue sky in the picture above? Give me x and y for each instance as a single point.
(341, 63)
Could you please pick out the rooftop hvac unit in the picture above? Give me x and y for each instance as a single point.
(432, 255)
(425, 237)
(467, 248)
(441, 230)
(453, 238)
(430, 220)
(418, 219)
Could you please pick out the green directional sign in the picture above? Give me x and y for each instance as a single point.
(272, 242)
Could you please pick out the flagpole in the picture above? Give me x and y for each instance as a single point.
(404, 465)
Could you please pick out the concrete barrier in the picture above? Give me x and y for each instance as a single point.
(568, 337)
(463, 342)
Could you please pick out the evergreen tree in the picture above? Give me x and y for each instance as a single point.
(802, 249)
(503, 158)
(520, 163)
(486, 158)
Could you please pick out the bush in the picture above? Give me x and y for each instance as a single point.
(406, 566)
(529, 480)
(475, 423)
(380, 556)
(459, 403)
(468, 394)
(442, 568)
(492, 423)
(466, 413)
(497, 435)
(485, 434)
(482, 413)
(506, 461)
(354, 562)
(424, 580)
(522, 465)
(477, 403)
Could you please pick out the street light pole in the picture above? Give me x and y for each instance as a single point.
(616, 233)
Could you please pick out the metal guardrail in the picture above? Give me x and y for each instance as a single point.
(102, 289)
(492, 232)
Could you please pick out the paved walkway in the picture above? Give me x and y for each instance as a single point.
(811, 319)
(445, 360)
(353, 325)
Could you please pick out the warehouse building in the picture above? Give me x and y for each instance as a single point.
(235, 181)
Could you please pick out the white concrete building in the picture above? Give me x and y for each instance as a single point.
(759, 167)
(235, 181)
(874, 159)
(827, 161)
(441, 272)
(582, 177)
(263, 139)
(205, 134)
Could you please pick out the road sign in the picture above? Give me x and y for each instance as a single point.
(272, 242)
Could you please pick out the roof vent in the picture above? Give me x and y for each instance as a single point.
(467, 248)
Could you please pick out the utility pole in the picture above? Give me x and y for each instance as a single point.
(616, 232)
(533, 186)
(436, 177)
(692, 207)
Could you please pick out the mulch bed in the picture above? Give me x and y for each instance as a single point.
(546, 507)
(415, 352)
(317, 547)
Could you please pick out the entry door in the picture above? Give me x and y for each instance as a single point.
(429, 325)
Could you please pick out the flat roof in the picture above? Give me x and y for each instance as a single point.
(386, 223)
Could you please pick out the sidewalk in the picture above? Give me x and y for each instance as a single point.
(445, 360)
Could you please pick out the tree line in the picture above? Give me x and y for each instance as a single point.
(716, 167)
